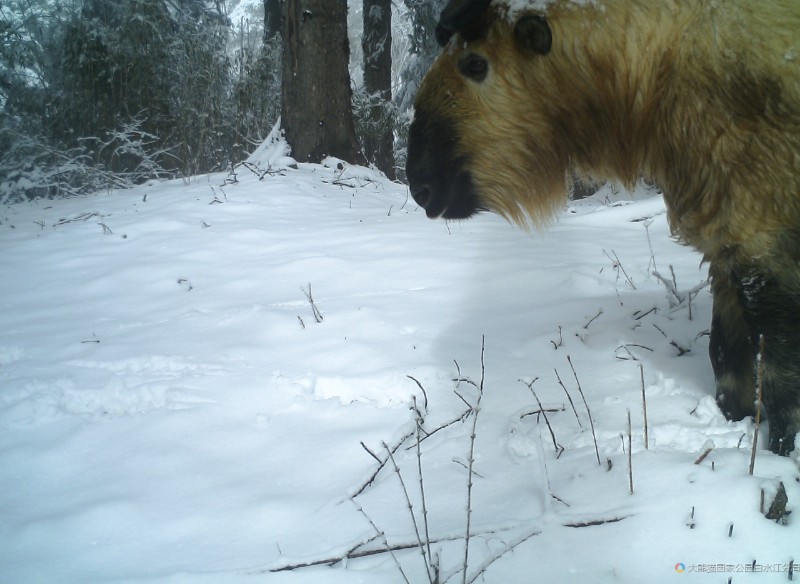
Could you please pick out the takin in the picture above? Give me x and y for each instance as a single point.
(699, 97)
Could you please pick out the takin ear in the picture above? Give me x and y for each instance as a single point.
(532, 33)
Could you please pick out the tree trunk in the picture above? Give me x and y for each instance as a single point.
(272, 19)
(316, 101)
(377, 45)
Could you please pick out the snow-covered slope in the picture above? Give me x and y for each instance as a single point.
(172, 411)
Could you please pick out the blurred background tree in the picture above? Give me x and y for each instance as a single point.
(100, 94)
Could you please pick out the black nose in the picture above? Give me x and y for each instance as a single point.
(430, 153)
(422, 195)
(437, 173)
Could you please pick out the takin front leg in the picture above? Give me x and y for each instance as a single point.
(732, 352)
(772, 309)
(748, 304)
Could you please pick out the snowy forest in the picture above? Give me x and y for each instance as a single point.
(99, 94)
(233, 349)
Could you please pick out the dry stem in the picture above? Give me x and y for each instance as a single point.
(644, 408)
(630, 455)
(759, 388)
(569, 397)
(588, 411)
(559, 449)
(420, 545)
(471, 459)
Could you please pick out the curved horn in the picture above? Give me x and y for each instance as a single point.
(456, 15)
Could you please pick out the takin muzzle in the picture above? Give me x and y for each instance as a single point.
(438, 175)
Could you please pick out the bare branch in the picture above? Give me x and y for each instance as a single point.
(420, 545)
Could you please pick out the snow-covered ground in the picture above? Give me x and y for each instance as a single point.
(171, 410)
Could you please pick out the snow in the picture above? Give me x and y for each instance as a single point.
(171, 411)
(245, 10)
(515, 7)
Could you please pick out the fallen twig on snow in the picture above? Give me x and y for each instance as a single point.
(594, 522)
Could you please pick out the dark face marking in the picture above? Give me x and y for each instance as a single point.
(437, 174)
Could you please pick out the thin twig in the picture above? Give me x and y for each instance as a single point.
(641, 315)
(422, 389)
(594, 318)
(382, 535)
(463, 464)
(418, 421)
(759, 389)
(465, 414)
(381, 464)
(588, 411)
(703, 456)
(560, 340)
(541, 411)
(681, 349)
(459, 380)
(471, 459)
(644, 409)
(317, 314)
(508, 548)
(372, 454)
(628, 351)
(569, 397)
(647, 223)
(463, 399)
(630, 455)
(618, 265)
(354, 553)
(82, 217)
(559, 449)
(596, 522)
(410, 506)
(681, 299)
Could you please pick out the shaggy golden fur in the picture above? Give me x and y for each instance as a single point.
(704, 101)
(700, 97)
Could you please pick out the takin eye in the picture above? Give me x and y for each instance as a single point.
(474, 66)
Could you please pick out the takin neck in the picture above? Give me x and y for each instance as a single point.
(622, 83)
(666, 92)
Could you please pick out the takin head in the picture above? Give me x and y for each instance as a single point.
(471, 136)
(700, 98)
(520, 101)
